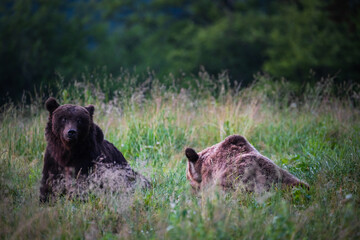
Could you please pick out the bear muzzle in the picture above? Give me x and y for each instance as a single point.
(70, 136)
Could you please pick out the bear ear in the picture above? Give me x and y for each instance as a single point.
(236, 140)
(51, 104)
(191, 155)
(90, 109)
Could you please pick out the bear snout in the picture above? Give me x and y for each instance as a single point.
(71, 134)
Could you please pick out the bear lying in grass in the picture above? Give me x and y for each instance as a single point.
(78, 158)
(234, 163)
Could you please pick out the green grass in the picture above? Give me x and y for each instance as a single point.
(315, 137)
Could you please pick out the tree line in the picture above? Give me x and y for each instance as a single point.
(301, 40)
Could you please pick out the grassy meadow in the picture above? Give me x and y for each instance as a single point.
(314, 135)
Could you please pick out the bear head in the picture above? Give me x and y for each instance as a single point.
(215, 157)
(69, 123)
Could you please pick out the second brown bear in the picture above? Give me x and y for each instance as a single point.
(233, 163)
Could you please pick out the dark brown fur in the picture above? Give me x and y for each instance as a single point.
(75, 145)
(234, 162)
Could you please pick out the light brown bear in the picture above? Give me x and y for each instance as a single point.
(233, 163)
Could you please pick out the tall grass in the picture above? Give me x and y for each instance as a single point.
(315, 136)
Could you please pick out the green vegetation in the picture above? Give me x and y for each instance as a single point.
(41, 39)
(315, 136)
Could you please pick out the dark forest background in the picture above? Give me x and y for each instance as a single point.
(301, 40)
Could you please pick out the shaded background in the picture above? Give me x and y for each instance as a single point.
(44, 41)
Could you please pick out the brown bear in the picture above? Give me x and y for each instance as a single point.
(233, 163)
(76, 149)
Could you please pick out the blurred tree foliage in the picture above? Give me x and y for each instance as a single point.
(286, 38)
(320, 35)
(37, 37)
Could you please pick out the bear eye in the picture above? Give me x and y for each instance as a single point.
(63, 119)
(79, 121)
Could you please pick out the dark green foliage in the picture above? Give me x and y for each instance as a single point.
(308, 35)
(299, 40)
(37, 39)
